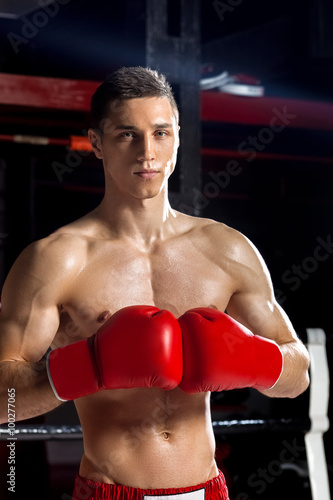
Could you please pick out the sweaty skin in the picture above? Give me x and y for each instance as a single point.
(134, 249)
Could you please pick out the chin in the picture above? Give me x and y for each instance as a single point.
(147, 194)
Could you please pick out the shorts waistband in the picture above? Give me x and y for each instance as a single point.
(86, 489)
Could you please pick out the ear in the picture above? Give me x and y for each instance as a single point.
(96, 142)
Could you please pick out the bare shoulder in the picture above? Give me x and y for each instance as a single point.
(58, 251)
(50, 262)
(221, 237)
(66, 247)
(228, 248)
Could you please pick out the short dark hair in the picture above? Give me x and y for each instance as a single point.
(129, 83)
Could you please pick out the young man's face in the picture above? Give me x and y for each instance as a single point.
(139, 146)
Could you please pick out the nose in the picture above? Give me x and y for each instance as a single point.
(146, 152)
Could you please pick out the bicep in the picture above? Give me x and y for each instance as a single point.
(253, 303)
(29, 318)
(262, 315)
(27, 337)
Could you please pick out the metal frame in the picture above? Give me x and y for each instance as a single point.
(178, 57)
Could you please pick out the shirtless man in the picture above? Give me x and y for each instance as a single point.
(142, 385)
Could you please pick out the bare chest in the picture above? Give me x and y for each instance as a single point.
(171, 277)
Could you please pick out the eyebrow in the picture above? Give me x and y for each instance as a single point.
(133, 127)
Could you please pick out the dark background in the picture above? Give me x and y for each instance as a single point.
(285, 206)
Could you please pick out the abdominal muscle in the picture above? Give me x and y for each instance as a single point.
(147, 438)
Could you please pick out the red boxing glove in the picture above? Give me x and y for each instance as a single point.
(220, 354)
(139, 346)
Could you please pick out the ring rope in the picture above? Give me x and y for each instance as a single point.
(31, 432)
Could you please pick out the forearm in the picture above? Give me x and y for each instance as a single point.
(294, 378)
(33, 393)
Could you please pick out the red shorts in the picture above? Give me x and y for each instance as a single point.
(85, 489)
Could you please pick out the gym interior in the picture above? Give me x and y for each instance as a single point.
(254, 84)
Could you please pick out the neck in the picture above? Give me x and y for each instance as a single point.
(142, 220)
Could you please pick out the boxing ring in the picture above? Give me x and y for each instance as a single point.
(313, 426)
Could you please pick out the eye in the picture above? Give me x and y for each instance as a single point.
(126, 134)
(161, 133)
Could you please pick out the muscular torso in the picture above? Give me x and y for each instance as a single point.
(145, 438)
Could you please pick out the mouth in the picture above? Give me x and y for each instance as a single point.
(147, 174)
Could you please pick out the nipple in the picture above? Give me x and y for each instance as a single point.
(103, 316)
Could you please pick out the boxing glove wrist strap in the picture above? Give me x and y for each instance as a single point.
(71, 371)
(268, 363)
